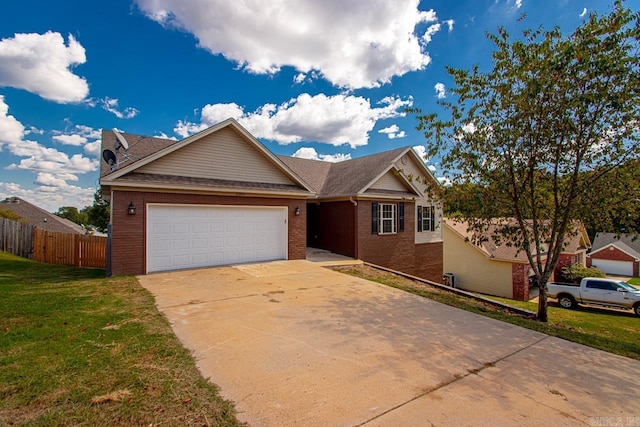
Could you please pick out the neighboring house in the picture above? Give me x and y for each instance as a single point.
(615, 255)
(33, 215)
(220, 197)
(498, 269)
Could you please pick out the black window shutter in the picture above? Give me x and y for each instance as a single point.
(374, 218)
(400, 216)
(433, 218)
(419, 218)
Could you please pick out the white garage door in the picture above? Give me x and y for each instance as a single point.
(622, 268)
(201, 236)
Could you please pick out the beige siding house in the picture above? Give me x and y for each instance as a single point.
(472, 271)
(497, 269)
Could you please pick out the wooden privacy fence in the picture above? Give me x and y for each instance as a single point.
(69, 249)
(16, 237)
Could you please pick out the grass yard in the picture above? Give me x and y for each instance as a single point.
(77, 348)
(635, 281)
(613, 331)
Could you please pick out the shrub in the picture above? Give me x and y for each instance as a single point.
(577, 272)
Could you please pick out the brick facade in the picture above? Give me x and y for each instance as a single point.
(398, 251)
(614, 254)
(128, 232)
(520, 281)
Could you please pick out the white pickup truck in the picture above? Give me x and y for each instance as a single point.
(596, 291)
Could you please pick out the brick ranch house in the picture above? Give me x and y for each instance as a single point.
(220, 197)
(497, 269)
(616, 255)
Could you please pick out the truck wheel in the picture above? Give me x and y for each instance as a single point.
(636, 309)
(566, 301)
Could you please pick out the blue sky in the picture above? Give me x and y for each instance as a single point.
(317, 79)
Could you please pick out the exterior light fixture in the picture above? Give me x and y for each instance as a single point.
(131, 210)
(296, 211)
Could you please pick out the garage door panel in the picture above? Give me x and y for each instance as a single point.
(623, 268)
(198, 236)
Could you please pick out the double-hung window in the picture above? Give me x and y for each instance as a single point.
(426, 218)
(388, 218)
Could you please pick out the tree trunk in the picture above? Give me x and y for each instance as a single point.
(542, 303)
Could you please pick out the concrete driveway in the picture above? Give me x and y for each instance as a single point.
(292, 343)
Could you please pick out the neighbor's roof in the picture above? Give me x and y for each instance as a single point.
(346, 178)
(34, 215)
(625, 243)
(501, 251)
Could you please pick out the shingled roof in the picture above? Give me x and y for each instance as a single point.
(37, 216)
(346, 178)
(502, 251)
(139, 148)
(629, 244)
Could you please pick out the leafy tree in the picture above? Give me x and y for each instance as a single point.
(555, 117)
(98, 213)
(72, 214)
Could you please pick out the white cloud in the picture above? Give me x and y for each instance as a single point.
(93, 148)
(111, 105)
(75, 139)
(449, 23)
(299, 78)
(421, 151)
(312, 154)
(165, 136)
(441, 91)
(336, 120)
(49, 197)
(11, 130)
(393, 132)
(584, 12)
(53, 168)
(431, 30)
(41, 63)
(351, 44)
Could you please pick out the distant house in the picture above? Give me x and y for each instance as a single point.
(220, 197)
(616, 255)
(497, 269)
(34, 215)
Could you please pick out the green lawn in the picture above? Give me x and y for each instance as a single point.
(635, 281)
(613, 331)
(80, 349)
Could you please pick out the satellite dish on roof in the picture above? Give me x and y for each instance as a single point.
(122, 142)
(110, 157)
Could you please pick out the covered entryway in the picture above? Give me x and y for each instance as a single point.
(191, 236)
(620, 268)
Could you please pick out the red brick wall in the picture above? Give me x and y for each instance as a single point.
(398, 251)
(520, 281)
(334, 227)
(614, 254)
(128, 238)
(565, 260)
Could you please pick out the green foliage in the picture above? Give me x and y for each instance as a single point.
(577, 272)
(98, 213)
(554, 118)
(4, 213)
(71, 213)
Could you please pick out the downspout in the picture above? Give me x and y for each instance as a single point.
(355, 226)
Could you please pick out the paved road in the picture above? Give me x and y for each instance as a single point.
(292, 343)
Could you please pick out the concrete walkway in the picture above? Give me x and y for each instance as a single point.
(292, 343)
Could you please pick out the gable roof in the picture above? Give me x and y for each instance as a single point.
(355, 177)
(40, 218)
(145, 150)
(604, 239)
(502, 251)
(625, 243)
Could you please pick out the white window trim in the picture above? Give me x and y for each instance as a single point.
(393, 219)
